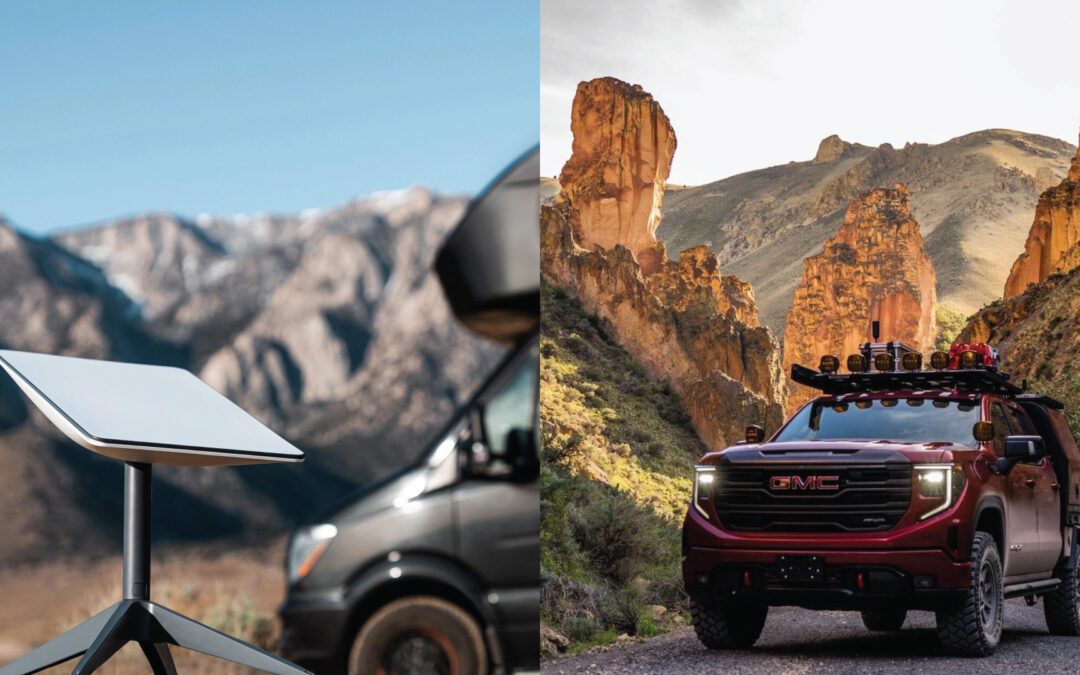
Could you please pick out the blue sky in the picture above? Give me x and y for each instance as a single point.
(115, 108)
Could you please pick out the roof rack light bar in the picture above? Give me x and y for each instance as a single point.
(974, 381)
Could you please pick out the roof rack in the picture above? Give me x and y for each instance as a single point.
(974, 380)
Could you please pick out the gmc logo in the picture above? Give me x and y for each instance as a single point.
(804, 483)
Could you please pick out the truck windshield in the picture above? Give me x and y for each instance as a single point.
(912, 420)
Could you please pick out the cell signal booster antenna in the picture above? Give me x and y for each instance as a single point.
(143, 415)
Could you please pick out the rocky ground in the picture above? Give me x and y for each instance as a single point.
(237, 592)
(801, 641)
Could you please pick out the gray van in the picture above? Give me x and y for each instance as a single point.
(435, 568)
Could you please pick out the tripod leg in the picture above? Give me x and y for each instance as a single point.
(63, 647)
(114, 635)
(159, 657)
(197, 637)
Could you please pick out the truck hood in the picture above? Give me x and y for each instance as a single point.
(842, 451)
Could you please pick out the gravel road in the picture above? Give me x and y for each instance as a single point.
(801, 641)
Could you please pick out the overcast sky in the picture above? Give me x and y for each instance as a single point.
(755, 84)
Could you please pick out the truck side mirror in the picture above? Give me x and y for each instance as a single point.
(1025, 448)
(1021, 449)
(755, 433)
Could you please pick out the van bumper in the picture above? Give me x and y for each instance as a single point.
(312, 626)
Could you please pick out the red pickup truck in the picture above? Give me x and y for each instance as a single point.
(901, 487)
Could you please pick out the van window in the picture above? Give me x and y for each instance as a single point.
(512, 409)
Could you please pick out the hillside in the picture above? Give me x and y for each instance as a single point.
(618, 455)
(973, 197)
(326, 325)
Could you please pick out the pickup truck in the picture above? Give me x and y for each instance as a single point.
(899, 488)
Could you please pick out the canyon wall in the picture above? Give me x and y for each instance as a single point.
(873, 269)
(683, 320)
(1051, 243)
(622, 151)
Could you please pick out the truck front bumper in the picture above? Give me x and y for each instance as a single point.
(845, 579)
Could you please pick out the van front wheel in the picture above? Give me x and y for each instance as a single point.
(420, 634)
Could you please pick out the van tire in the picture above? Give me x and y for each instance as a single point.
(884, 619)
(973, 626)
(442, 629)
(1062, 605)
(723, 625)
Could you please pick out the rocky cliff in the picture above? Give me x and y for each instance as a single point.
(873, 269)
(683, 320)
(973, 197)
(622, 150)
(1038, 335)
(1051, 246)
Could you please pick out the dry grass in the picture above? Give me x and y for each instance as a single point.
(237, 592)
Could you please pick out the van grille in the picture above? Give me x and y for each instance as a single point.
(869, 498)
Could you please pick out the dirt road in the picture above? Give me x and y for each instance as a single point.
(801, 641)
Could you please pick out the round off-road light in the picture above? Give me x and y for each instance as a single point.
(884, 362)
(829, 364)
(889, 402)
(983, 431)
(863, 405)
(939, 360)
(911, 361)
(755, 433)
(969, 358)
(856, 363)
(840, 407)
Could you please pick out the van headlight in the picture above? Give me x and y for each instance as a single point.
(942, 482)
(307, 546)
(704, 487)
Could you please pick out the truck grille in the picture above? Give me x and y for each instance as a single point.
(868, 497)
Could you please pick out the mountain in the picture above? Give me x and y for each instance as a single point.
(326, 325)
(973, 197)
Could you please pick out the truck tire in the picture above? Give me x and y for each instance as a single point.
(973, 626)
(884, 619)
(723, 625)
(419, 634)
(1062, 605)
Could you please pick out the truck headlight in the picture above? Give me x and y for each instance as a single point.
(704, 487)
(306, 547)
(943, 482)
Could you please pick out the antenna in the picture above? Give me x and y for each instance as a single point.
(875, 330)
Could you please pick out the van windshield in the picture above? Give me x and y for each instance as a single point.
(911, 420)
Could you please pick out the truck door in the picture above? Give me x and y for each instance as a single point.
(1047, 495)
(498, 509)
(1021, 511)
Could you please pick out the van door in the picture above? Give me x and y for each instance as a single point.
(498, 504)
(1021, 511)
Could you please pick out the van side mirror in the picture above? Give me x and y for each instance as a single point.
(523, 455)
(1021, 449)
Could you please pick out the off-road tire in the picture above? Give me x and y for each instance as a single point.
(883, 619)
(973, 626)
(451, 627)
(1062, 605)
(724, 625)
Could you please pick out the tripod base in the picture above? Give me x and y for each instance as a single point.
(155, 628)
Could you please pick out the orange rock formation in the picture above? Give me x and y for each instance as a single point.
(682, 319)
(1051, 243)
(623, 145)
(873, 269)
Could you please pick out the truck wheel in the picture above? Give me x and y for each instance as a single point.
(1062, 605)
(723, 625)
(973, 627)
(884, 619)
(420, 634)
